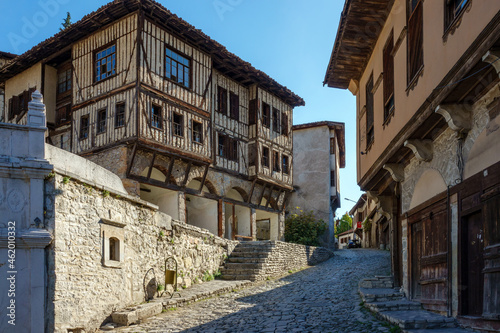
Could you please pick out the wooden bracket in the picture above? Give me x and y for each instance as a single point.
(422, 149)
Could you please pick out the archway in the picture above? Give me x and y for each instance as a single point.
(430, 184)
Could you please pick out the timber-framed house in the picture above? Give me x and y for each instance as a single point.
(184, 123)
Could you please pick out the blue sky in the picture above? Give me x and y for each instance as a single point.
(290, 40)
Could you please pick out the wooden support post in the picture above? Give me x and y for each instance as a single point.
(220, 218)
(151, 165)
(249, 199)
(204, 178)
(186, 176)
(170, 168)
(262, 195)
(270, 196)
(131, 161)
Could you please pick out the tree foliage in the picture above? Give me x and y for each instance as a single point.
(66, 22)
(303, 228)
(343, 224)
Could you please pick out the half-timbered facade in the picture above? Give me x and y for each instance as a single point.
(426, 78)
(186, 124)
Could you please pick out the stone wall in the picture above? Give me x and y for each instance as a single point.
(84, 285)
(289, 256)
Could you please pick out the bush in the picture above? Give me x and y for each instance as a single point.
(303, 228)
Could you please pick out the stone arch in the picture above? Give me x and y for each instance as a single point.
(208, 186)
(430, 184)
(243, 196)
(159, 173)
(484, 151)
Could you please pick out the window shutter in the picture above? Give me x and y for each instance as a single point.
(252, 112)
(15, 106)
(388, 70)
(284, 123)
(415, 41)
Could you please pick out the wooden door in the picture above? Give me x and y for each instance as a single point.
(491, 218)
(416, 256)
(472, 263)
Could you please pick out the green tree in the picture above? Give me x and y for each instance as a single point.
(343, 224)
(303, 228)
(66, 22)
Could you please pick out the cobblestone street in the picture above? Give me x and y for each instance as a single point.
(323, 298)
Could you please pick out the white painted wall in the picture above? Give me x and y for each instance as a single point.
(202, 212)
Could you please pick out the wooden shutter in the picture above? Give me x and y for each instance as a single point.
(222, 100)
(284, 123)
(252, 112)
(388, 70)
(369, 112)
(415, 41)
(234, 106)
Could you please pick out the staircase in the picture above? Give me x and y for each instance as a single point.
(389, 303)
(248, 261)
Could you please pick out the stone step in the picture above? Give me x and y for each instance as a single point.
(247, 254)
(440, 330)
(239, 266)
(377, 282)
(418, 319)
(398, 305)
(238, 271)
(247, 260)
(249, 277)
(372, 295)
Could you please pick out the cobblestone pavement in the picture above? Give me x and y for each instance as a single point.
(322, 298)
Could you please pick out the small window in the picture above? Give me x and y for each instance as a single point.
(197, 132)
(266, 110)
(84, 127)
(276, 120)
(234, 106)
(178, 124)
(332, 146)
(369, 113)
(63, 115)
(120, 115)
(114, 249)
(18, 105)
(453, 9)
(233, 153)
(156, 116)
(222, 145)
(284, 124)
(105, 63)
(276, 161)
(332, 178)
(265, 157)
(388, 60)
(222, 100)
(177, 68)
(101, 121)
(286, 164)
(64, 81)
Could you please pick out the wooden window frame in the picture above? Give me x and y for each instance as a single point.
(227, 147)
(370, 117)
(265, 157)
(178, 124)
(388, 73)
(18, 105)
(414, 41)
(266, 115)
(66, 82)
(96, 61)
(284, 124)
(100, 124)
(453, 13)
(285, 164)
(276, 161)
(234, 106)
(120, 114)
(276, 120)
(332, 146)
(172, 60)
(156, 119)
(252, 112)
(63, 115)
(222, 100)
(84, 130)
(221, 145)
(333, 175)
(196, 132)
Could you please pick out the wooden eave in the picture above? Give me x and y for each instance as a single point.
(339, 129)
(223, 60)
(360, 25)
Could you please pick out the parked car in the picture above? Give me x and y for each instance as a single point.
(354, 243)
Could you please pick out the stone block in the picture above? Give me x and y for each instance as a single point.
(125, 318)
(148, 310)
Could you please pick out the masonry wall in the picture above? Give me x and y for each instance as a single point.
(83, 290)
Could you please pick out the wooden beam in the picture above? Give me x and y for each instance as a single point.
(170, 168)
(262, 195)
(249, 199)
(270, 196)
(186, 176)
(204, 178)
(131, 161)
(151, 165)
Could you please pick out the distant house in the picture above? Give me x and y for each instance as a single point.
(426, 79)
(5, 57)
(319, 153)
(371, 224)
(345, 237)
